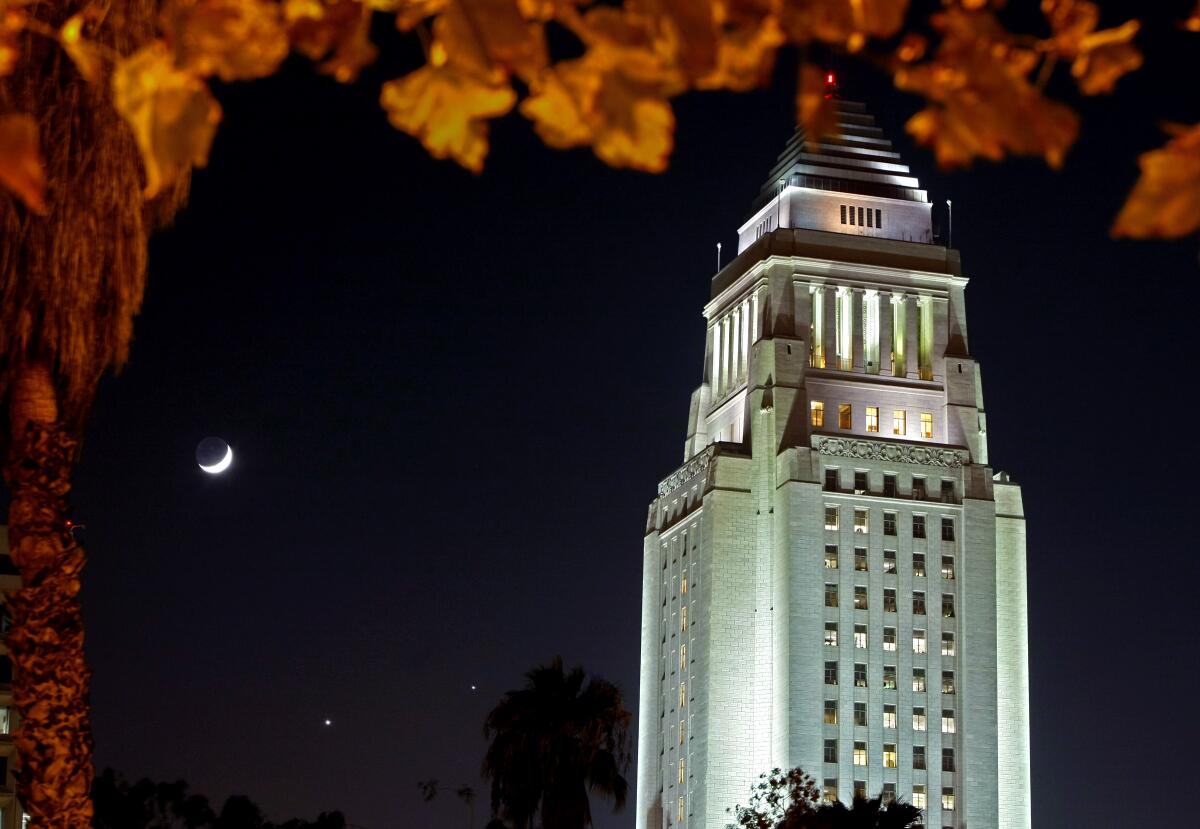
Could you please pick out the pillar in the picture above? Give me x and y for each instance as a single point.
(885, 333)
(735, 348)
(858, 331)
(830, 327)
(912, 319)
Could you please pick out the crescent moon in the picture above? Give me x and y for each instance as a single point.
(221, 465)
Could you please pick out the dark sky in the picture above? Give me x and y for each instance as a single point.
(451, 398)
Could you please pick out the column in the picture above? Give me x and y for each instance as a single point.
(744, 310)
(754, 321)
(715, 357)
(735, 348)
(912, 314)
(858, 331)
(829, 300)
(725, 355)
(885, 333)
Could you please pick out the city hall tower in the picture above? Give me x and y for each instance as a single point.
(835, 577)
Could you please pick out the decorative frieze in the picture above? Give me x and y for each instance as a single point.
(877, 450)
(698, 464)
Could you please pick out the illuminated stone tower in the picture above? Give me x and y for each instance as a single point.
(835, 577)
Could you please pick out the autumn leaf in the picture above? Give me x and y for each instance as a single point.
(447, 109)
(12, 23)
(171, 112)
(482, 36)
(815, 111)
(1098, 58)
(589, 102)
(981, 102)
(20, 162)
(1165, 202)
(746, 49)
(81, 51)
(233, 39)
(847, 23)
(317, 28)
(1192, 24)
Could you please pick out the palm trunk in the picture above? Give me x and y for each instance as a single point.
(50, 677)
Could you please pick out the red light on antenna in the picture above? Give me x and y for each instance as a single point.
(829, 78)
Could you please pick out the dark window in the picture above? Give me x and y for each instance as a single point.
(918, 757)
(947, 759)
(889, 523)
(889, 600)
(878, 217)
(918, 488)
(948, 492)
(860, 482)
(870, 218)
(918, 526)
(948, 605)
(860, 675)
(947, 529)
(860, 713)
(843, 214)
(5, 670)
(831, 480)
(860, 216)
(831, 751)
(919, 603)
(889, 486)
(831, 595)
(852, 214)
(918, 564)
(831, 673)
(860, 559)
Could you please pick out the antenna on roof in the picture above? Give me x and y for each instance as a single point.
(949, 223)
(718, 256)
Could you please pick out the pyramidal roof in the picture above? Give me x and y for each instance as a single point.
(814, 182)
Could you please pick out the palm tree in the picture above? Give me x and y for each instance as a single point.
(864, 813)
(71, 281)
(553, 741)
(791, 800)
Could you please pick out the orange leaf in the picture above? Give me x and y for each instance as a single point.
(343, 27)
(234, 39)
(82, 52)
(844, 22)
(12, 23)
(815, 111)
(20, 162)
(1192, 24)
(746, 49)
(1165, 202)
(447, 110)
(1099, 58)
(483, 36)
(171, 112)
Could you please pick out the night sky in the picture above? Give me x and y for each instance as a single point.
(451, 398)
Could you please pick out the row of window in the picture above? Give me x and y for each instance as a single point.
(889, 600)
(871, 423)
(889, 677)
(848, 211)
(920, 492)
(859, 755)
(919, 720)
(862, 522)
(920, 798)
(919, 643)
(889, 562)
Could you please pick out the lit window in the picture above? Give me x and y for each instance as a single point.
(948, 800)
(829, 794)
(918, 488)
(872, 418)
(831, 717)
(831, 630)
(947, 682)
(860, 636)
(889, 716)
(860, 675)
(682, 656)
(889, 561)
(918, 526)
(889, 677)
(832, 482)
(899, 426)
(948, 605)
(918, 680)
(860, 789)
(5, 720)
(831, 518)
(817, 412)
(918, 641)
(926, 424)
(889, 755)
(889, 639)
(947, 759)
(860, 559)
(679, 811)
(948, 721)
(831, 556)
(889, 486)
(683, 618)
(947, 643)
(682, 694)
(919, 564)
(682, 769)
(948, 568)
(860, 597)
(860, 713)
(831, 595)
(683, 584)
(888, 795)
(889, 600)
(889, 523)
(918, 799)
(860, 483)
(918, 719)
(845, 416)
(860, 753)
(860, 520)
(918, 603)
(831, 673)
(918, 757)
(830, 751)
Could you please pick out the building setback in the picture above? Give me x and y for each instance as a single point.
(835, 578)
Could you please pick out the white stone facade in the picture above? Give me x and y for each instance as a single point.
(782, 527)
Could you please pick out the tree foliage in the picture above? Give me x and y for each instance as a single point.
(550, 743)
(791, 800)
(983, 86)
